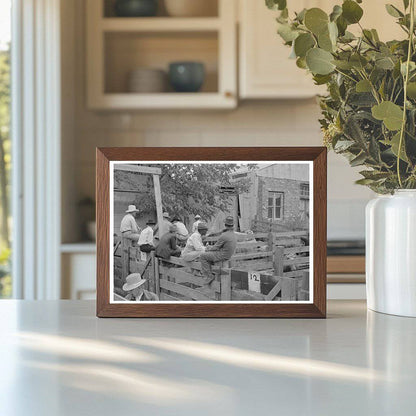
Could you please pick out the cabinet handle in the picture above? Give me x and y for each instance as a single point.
(228, 94)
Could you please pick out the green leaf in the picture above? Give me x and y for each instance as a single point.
(411, 90)
(351, 11)
(363, 86)
(391, 114)
(393, 11)
(303, 43)
(406, 4)
(321, 79)
(394, 145)
(348, 37)
(364, 181)
(374, 150)
(336, 12)
(374, 175)
(358, 61)
(342, 25)
(375, 35)
(301, 63)
(316, 20)
(358, 160)
(276, 4)
(343, 145)
(286, 32)
(325, 43)
(301, 15)
(319, 61)
(341, 64)
(385, 63)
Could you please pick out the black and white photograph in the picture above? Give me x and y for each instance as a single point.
(211, 231)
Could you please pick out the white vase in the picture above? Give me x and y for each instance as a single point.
(391, 253)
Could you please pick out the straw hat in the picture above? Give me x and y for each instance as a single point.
(229, 222)
(133, 281)
(132, 208)
(197, 217)
(166, 215)
(202, 226)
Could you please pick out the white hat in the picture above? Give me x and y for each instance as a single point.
(133, 281)
(166, 214)
(197, 216)
(132, 208)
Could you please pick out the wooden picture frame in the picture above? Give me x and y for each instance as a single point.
(315, 308)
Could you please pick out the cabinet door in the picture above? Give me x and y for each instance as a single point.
(265, 68)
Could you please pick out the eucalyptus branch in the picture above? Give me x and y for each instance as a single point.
(405, 81)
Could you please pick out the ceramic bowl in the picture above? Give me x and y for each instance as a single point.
(135, 8)
(186, 76)
(147, 80)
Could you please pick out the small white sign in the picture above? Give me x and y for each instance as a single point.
(254, 281)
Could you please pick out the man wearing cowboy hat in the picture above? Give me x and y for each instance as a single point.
(195, 224)
(164, 227)
(182, 232)
(167, 245)
(194, 246)
(137, 292)
(223, 250)
(128, 227)
(146, 237)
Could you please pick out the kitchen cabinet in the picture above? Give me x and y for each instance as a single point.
(116, 46)
(265, 70)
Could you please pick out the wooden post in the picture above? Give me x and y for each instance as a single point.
(270, 241)
(304, 290)
(126, 243)
(278, 260)
(288, 288)
(157, 277)
(158, 201)
(226, 286)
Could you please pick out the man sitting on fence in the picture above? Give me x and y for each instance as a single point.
(128, 227)
(181, 231)
(194, 246)
(195, 224)
(146, 237)
(167, 245)
(135, 287)
(223, 250)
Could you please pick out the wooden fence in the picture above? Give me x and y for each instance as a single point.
(278, 263)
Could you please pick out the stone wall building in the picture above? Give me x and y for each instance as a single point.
(279, 193)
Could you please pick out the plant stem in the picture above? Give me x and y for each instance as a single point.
(406, 80)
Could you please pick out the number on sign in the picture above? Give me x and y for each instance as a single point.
(254, 281)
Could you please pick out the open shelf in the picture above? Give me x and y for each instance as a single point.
(108, 9)
(116, 46)
(127, 51)
(160, 24)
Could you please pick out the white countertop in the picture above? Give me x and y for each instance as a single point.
(56, 358)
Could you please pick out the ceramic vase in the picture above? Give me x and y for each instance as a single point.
(391, 253)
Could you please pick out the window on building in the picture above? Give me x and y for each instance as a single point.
(304, 190)
(304, 207)
(275, 205)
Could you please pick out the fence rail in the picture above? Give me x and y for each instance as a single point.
(280, 259)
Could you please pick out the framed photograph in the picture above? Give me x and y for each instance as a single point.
(211, 232)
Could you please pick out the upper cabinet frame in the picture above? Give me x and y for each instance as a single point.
(99, 26)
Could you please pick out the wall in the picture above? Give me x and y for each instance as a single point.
(291, 201)
(259, 123)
